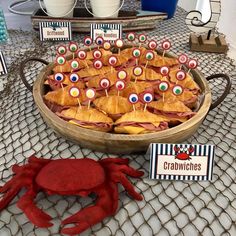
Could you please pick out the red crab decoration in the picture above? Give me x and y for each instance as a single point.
(183, 153)
(70, 177)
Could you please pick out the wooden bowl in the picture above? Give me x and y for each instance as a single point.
(122, 143)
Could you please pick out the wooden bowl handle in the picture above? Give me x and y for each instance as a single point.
(226, 91)
(22, 74)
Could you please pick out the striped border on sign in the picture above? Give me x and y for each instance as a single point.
(112, 26)
(168, 149)
(48, 24)
(3, 63)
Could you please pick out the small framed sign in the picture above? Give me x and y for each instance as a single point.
(181, 161)
(55, 30)
(109, 32)
(3, 67)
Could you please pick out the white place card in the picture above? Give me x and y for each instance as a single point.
(55, 30)
(190, 162)
(3, 67)
(109, 32)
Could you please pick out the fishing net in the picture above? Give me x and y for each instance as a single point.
(169, 208)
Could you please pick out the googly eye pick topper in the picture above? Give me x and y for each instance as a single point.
(183, 59)
(112, 60)
(120, 85)
(142, 38)
(149, 57)
(61, 50)
(163, 87)
(90, 95)
(137, 71)
(82, 55)
(99, 41)
(119, 44)
(136, 53)
(74, 92)
(146, 98)
(177, 90)
(88, 42)
(180, 75)
(152, 44)
(59, 77)
(166, 45)
(133, 99)
(60, 61)
(73, 48)
(192, 64)
(105, 84)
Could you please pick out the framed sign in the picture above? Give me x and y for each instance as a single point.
(55, 30)
(181, 161)
(109, 32)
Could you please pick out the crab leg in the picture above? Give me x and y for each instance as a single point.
(127, 185)
(129, 171)
(92, 215)
(34, 214)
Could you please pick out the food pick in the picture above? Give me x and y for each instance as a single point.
(149, 57)
(130, 36)
(61, 50)
(120, 85)
(99, 41)
(88, 42)
(107, 45)
(137, 71)
(119, 44)
(166, 45)
(60, 60)
(192, 64)
(183, 59)
(74, 78)
(180, 75)
(152, 45)
(97, 64)
(59, 77)
(136, 53)
(74, 65)
(177, 90)
(165, 70)
(142, 39)
(82, 55)
(97, 54)
(73, 48)
(90, 94)
(133, 99)
(163, 87)
(105, 84)
(146, 98)
(75, 93)
(112, 61)
(122, 75)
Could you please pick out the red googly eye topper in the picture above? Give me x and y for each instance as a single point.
(180, 75)
(97, 54)
(183, 59)
(165, 70)
(104, 83)
(82, 54)
(192, 64)
(152, 44)
(97, 64)
(166, 45)
(112, 60)
(120, 85)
